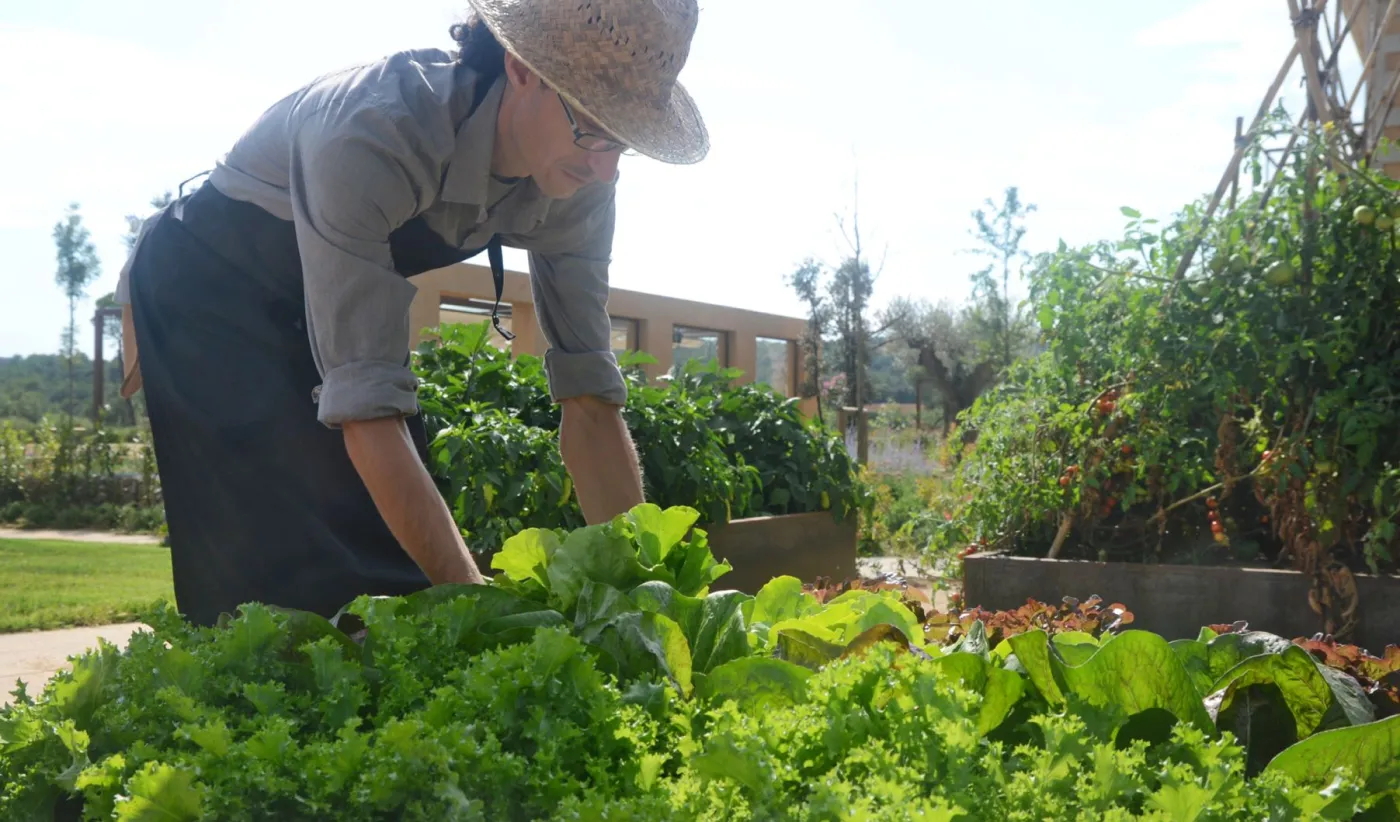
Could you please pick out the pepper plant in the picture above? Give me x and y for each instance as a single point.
(727, 450)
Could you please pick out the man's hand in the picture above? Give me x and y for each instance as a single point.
(410, 504)
(598, 451)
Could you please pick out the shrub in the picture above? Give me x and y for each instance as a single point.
(56, 475)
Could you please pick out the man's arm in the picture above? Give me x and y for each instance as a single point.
(410, 504)
(600, 456)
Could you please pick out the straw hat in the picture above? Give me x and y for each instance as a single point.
(616, 61)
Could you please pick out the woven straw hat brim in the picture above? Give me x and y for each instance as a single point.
(671, 133)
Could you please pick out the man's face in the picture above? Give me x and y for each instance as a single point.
(544, 137)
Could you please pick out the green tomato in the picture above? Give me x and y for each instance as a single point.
(1364, 215)
(1279, 274)
(1385, 222)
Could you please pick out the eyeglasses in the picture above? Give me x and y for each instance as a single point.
(589, 141)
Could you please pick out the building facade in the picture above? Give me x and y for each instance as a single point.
(763, 346)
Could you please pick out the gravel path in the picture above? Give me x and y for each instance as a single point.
(80, 536)
(35, 656)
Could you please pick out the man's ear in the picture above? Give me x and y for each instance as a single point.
(518, 74)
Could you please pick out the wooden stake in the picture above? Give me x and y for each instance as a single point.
(1065, 525)
(1371, 53)
(1282, 162)
(1389, 99)
(1306, 37)
(1235, 181)
(1232, 170)
(1334, 69)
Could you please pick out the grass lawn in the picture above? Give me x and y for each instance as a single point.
(52, 584)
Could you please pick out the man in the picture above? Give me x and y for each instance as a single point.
(270, 306)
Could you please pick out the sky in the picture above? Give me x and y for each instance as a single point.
(932, 107)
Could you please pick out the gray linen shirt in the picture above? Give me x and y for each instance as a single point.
(355, 154)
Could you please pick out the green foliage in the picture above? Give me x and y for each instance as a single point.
(600, 675)
(801, 466)
(901, 513)
(1002, 329)
(500, 475)
(1281, 338)
(36, 386)
(55, 475)
(726, 450)
(685, 460)
(460, 372)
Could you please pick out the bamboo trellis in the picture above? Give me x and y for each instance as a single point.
(1318, 46)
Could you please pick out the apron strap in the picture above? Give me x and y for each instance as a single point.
(498, 276)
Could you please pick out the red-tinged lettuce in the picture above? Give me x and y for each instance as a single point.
(1379, 676)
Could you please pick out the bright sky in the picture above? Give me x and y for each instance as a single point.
(1086, 106)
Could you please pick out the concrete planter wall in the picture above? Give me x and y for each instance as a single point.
(1176, 600)
(805, 546)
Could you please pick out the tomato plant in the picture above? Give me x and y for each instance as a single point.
(1266, 378)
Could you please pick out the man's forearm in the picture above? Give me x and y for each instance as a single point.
(402, 490)
(601, 458)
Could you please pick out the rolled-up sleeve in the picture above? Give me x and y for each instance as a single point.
(360, 168)
(569, 281)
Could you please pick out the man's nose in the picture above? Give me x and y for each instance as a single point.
(603, 164)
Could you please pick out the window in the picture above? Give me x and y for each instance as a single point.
(624, 335)
(774, 364)
(457, 310)
(697, 344)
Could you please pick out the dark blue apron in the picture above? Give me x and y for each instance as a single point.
(262, 501)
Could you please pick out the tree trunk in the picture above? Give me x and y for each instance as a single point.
(72, 346)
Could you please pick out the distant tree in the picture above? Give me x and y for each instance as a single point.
(838, 301)
(943, 342)
(36, 385)
(1003, 328)
(850, 287)
(806, 282)
(78, 266)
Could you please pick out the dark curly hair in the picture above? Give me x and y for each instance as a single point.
(478, 48)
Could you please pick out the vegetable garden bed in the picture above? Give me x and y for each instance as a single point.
(806, 546)
(1176, 600)
(598, 676)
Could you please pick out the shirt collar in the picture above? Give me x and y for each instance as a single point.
(469, 171)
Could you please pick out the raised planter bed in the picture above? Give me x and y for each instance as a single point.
(1176, 600)
(805, 546)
